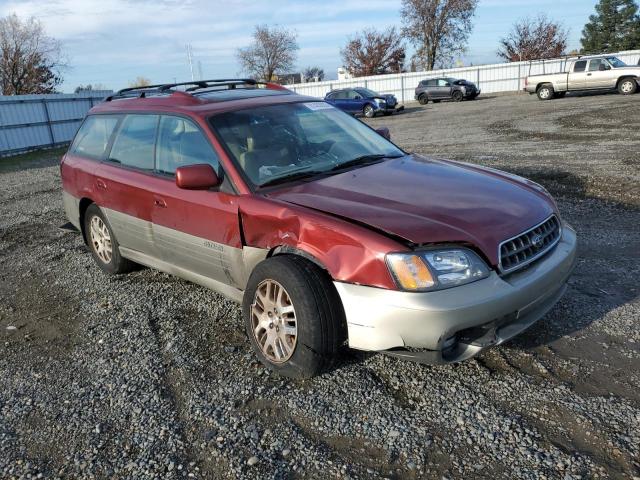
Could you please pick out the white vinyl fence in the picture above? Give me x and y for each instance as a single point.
(503, 77)
(35, 121)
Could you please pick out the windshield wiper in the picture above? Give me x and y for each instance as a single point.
(363, 160)
(292, 177)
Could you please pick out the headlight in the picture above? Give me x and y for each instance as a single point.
(379, 101)
(436, 269)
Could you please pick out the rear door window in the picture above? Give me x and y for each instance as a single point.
(135, 142)
(94, 135)
(182, 143)
(580, 66)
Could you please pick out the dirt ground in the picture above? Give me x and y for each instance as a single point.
(148, 376)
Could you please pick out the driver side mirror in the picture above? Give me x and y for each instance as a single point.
(384, 132)
(196, 177)
(357, 97)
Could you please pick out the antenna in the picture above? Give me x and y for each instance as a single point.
(190, 58)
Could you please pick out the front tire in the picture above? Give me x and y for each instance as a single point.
(293, 316)
(103, 244)
(368, 111)
(545, 92)
(627, 86)
(457, 96)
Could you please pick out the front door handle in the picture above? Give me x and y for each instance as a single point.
(101, 185)
(158, 202)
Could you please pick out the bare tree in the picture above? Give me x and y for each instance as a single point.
(533, 38)
(314, 74)
(372, 52)
(30, 61)
(140, 82)
(273, 51)
(439, 29)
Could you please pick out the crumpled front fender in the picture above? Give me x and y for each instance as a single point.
(350, 253)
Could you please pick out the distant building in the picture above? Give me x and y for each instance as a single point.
(288, 78)
(343, 74)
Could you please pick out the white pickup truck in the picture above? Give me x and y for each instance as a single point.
(602, 72)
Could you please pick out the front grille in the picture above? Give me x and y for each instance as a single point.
(527, 247)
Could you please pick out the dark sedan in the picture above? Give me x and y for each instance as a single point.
(363, 101)
(437, 89)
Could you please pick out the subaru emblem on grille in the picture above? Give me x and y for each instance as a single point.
(536, 241)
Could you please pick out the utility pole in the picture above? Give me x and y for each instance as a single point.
(190, 57)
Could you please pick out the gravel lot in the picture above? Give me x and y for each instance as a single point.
(147, 376)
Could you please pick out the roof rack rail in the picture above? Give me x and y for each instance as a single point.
(167, 88)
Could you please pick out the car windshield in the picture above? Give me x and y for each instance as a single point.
(278, 143)
(616, 62)
(365, 92)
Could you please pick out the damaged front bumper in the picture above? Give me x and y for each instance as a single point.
(452, 325)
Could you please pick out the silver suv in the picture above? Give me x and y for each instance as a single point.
(437, 89)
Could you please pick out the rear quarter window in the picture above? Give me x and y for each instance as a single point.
(94, 135)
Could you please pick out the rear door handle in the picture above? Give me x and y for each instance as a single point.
(158, 202)
(101, 185)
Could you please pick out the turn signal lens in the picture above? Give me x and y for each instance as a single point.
(410, 271)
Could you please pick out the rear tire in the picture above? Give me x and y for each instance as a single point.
(310, 309)
(368, 111)
(627, 86)
(423, 99)
(457, 96)
(103, 244)
(545, 92)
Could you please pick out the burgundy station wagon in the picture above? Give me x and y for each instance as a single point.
(325, 231)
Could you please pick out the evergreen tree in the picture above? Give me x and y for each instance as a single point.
(615, 26)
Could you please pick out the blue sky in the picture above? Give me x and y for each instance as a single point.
(113, 41)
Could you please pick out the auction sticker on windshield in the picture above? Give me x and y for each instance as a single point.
(318, 106)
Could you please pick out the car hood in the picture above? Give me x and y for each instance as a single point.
(634, 68)
(429, 201)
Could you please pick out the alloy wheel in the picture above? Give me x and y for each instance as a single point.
(100, 239)
(368, 111)
(274, 323)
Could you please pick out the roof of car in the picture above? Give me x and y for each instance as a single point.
(203, 97)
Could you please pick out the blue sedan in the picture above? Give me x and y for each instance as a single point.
(363, 101)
